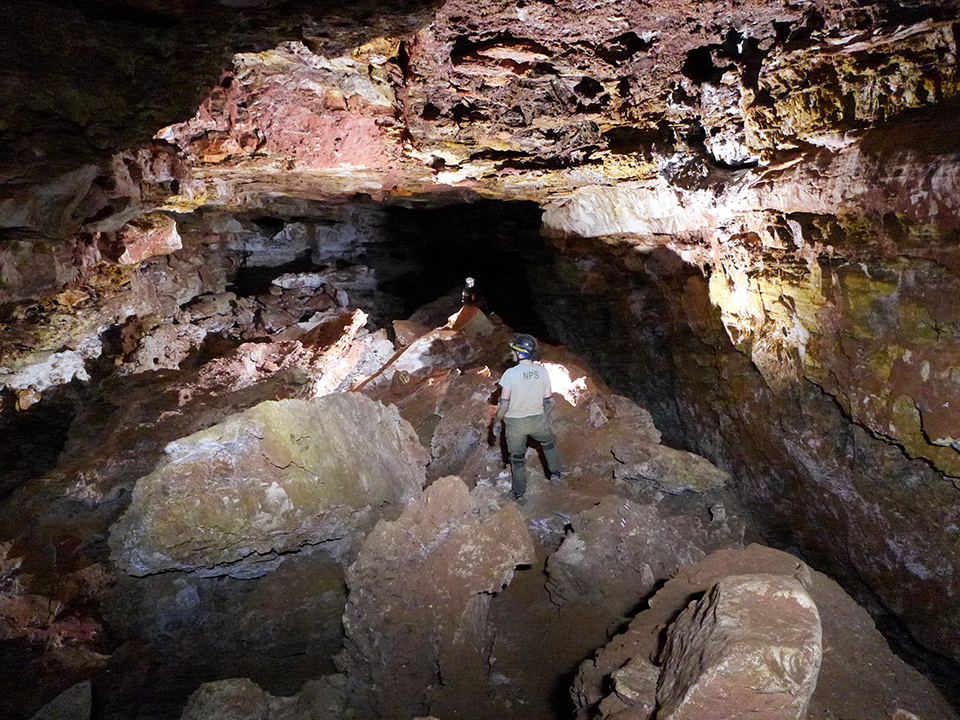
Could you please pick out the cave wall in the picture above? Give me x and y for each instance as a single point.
(809, 381)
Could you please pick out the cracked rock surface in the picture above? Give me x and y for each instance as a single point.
(283, 475)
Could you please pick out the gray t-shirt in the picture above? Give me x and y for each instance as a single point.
(529, 384)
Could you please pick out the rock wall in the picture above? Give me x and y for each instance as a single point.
(824, 386)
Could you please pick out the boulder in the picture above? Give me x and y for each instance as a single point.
(750, 648)
(234, 699)
(242, 699)
(75, 703)
(672, 471)
(621, 680)
(618, 551)
(285, 474)
(162, 346)
(225, 627)
(420, 590)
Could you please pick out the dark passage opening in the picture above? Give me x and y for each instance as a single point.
(431, 252)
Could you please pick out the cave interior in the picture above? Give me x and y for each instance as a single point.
(247, 468)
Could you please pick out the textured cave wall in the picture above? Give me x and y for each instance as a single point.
(84, 79)
(815, 432)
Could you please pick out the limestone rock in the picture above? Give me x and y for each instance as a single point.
(750, 648)
(419, 596)
(672, 471)
(147, 236)
(164, 346)
(284, 474)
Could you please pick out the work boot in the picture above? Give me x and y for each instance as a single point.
(556, 478)
(520, 499)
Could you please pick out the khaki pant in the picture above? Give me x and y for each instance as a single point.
(535, 427)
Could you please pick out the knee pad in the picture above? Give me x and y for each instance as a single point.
(548, 445)
(518, 458)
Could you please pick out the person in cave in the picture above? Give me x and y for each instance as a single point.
(526, 402)
(470, 297)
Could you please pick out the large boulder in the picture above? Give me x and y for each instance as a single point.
(750, 648)
(277, 477)
(622, 679)
(420, 591)
(74, 703)
(242, 699)
(672, 471)
(617, 552)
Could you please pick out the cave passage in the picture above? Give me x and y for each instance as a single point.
(642, 319)
(494, 242)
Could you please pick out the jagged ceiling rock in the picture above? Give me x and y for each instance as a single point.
(280, 476)
(115, 71)
(529, 101)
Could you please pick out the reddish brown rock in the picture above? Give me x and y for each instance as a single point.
(147, 236)
(419, 596)
(617, 552)
(623, 676)
(234, 498)
(750, 648)
(292, 104)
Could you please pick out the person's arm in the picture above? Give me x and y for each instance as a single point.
(502, 407)
(548, 403)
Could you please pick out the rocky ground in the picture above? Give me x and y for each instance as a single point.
(324, 514)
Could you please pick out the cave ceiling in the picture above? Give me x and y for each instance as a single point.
(695, 113)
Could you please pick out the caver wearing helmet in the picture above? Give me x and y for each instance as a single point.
(525, 399)
(470, 295)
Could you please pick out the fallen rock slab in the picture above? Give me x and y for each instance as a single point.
(621, 680)
(750, 648)
(619, 550)
(672, 471)
(277, 477)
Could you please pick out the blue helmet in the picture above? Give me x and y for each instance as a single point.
(525, 346)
